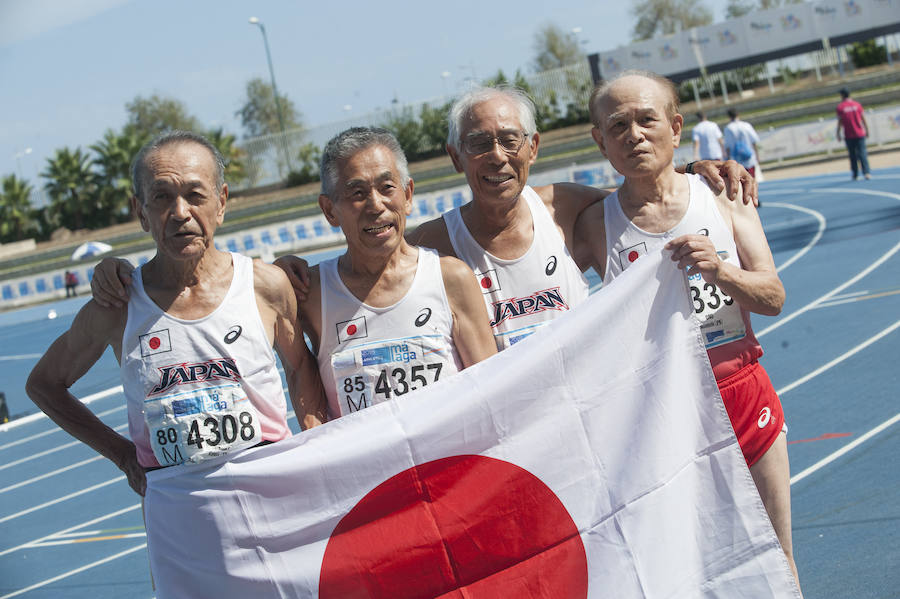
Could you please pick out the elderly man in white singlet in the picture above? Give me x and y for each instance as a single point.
(724, 249)
(386, 317)
(194, 341)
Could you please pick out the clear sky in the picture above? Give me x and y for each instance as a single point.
(68, 67)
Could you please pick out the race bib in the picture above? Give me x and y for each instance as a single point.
(719, 315)
(199, 424)
(370, 374)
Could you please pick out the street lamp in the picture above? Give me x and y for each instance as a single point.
(19, 155)
(262, 28)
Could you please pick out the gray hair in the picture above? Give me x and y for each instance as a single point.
(139, 168)
(671, 107)
(347, 143)
(473, 97)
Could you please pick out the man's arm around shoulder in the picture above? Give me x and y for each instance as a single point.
(471, 328)
(67, 360)
(278, 308)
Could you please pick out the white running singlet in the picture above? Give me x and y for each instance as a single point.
(368, 355)
(527, 292)
(197, 389)
(725, 326)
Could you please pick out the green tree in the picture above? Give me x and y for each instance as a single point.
(406, 128)
(867, 53)
(259, 113)
(739, 8)
(434, 128)
(661, 17)
(555, 48)
(16, 213)
(308, 156)
(113, 156)
(153, 115)
(73, 190)
(234, 155)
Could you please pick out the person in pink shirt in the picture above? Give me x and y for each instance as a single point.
(853, 122)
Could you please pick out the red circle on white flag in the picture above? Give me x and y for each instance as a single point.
(464, 522)
(632, 256)
(154, 343)
(486, 282)
(351, 330)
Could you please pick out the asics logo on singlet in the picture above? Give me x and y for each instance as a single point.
(233, 333)
(181, 374)
(551, 266)
(704, 232)
(423, 317)
(548, 299)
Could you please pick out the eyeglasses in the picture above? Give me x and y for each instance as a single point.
(481, 143)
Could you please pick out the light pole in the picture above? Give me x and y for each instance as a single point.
(20, 155)
(262, 28)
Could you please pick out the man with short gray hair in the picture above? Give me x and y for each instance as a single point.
(194, 340)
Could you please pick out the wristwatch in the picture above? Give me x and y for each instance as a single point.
(689, 168)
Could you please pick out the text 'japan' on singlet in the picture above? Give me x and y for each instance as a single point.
(527, 292)
(725, 326)
(369, 355)
(197, 389)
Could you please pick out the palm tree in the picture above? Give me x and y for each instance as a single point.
(72, 187)
(113, 160)
(235, 170)
(16, 214)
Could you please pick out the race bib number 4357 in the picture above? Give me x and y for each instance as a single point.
(364, 376)
(199, 424)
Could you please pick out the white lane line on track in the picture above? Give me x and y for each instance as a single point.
(859, 276)
(40, 415)
(846, 448)
(55, 429)
(821, 230)
(867, 192)
(42, 583)
(41, 454)
(20, 357)
(856, 297)
(61, 499)
(839, 359)
(40, 477)
(71, 528)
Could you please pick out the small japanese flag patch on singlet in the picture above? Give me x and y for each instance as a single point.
(628, 256)
(156, 342)
(352, 329)
(488, 281)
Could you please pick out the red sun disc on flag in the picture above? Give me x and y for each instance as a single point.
(464, 526)
(486, 282)
(154, 343)
(351, 330)
(632, 256)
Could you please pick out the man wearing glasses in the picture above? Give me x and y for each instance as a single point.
(518, 239)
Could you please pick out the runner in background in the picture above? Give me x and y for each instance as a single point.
(853, 123)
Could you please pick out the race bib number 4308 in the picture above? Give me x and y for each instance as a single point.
(199, 424)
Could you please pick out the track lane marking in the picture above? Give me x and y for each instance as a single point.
(100, 562)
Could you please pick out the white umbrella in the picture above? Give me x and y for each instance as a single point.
(90, 248)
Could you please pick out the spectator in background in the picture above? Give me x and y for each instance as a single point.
(4, 410)
(71, 280)
(740, 142)
(707, 140)
(853, 122)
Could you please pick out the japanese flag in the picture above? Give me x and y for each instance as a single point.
(352, 329)
(629, 256)
(155, 342)
(556, 469)
(488, 281)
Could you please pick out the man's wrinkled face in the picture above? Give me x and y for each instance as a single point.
(179, 203)
(494, 173)
(633, 130)
(369, 202)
